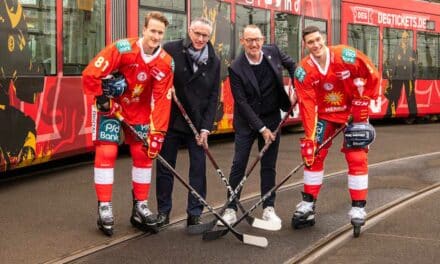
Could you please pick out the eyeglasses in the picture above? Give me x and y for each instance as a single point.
(249, 41)
(200, 35)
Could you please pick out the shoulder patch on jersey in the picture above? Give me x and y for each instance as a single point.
(300, 74)
(348, 55)
(123, 45)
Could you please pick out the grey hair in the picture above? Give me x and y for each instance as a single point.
(249, 26)
(202, 20)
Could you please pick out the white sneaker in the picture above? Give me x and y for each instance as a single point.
(230, 217)
(270, 215)
(357, 213)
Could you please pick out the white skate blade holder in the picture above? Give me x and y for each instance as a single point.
(261, 224)
(266, 225)
(255, 240)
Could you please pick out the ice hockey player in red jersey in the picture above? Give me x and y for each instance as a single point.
(132, 77)
(334, 84)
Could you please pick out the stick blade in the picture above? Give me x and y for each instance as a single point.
(255, 241)
(201, 228)
(214, 234)
(266, 225)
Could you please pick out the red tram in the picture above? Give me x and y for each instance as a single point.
(46, 44)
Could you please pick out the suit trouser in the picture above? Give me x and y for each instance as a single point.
(243, 142)
(197, 172)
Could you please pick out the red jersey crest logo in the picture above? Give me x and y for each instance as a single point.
(142, 76)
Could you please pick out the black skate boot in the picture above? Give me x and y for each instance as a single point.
(105, 220)
(304, 215)
(142, 218)
(357, 215)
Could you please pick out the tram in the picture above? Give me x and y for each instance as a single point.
(46, 44)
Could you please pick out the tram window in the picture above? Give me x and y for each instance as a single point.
(40, 34)
(220, 14)
(175, 30)
(178, 5)
(246, 15)
(427, 55)
(287, 35)
(399, 57)
(83, 26)
(365, 39)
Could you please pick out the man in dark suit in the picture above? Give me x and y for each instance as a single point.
(258, 89)
(196, 84)
(403, 73)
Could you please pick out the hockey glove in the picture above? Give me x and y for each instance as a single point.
(308, 148)
(155, 141)
(107, 106)
(359, 109)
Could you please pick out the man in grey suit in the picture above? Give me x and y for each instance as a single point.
(256, 78)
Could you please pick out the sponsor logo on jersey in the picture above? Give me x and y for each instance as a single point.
(109, 130)
(328, 86)
(342, 75)
(133, 66)
(320, 129)
(349, 55)
(123, 46)
(137, 90)
(172, 65)
(157, 74)
(142, 76)
(332, 109)
(359, 82)
(141, 130)
(300, 74)
(94, 121)
(334, 98)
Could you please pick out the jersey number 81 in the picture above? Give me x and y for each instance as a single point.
(101, 63)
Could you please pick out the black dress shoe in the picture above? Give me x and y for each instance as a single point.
(163, 219)
(193, 220)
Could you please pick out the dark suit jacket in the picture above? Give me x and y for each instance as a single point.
(248, 103)
(198, 92)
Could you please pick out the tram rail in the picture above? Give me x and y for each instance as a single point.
(342, 235)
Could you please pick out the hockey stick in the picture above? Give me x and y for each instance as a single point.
(212, 235)
(210, 225)
(244, 238)
(255, 222)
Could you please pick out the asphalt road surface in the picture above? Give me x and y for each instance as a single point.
(52, 217)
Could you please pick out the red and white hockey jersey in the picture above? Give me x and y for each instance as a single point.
(147, 99)
(327, 92)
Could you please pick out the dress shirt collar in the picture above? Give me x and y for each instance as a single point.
(255, 63)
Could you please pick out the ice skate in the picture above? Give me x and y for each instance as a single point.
(105, 220)
(142, 218)
(357, 215)
(304, 215)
